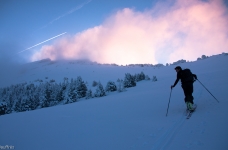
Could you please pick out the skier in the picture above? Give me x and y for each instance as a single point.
(187, 79)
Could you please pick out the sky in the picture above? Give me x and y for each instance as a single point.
(121, 31)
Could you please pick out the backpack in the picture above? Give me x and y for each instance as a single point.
(187, 76)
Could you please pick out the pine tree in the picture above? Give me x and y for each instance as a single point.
(137, 77)
(10, 103)
(99, 91)
(142, 76)
(147, 77)
(59, 95)
(154, 79)
(121, 87)
(72, 92)
(47, 95)
(44, 95)
(81, 88)
(24, 104)
(129, 81)
(55, 89)
(110, 87)
(89, 94)
(66, 93)
(34, 101)
(3, 108)
(37, 95)
(17, 107)
(23, 98)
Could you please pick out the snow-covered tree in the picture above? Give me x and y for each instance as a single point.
(99, 91)
(121, 87)
(55, 96)
(34, 102)
(154, 79)
(137, 77)
(110, 87)
(41, 91)
(67, 97)
(10, 102)
(81, 88)
(129, 81)
(47, 95)
(3, 108)
(72, 91)
(59, 94)
(17, 107)
(89, 94)
(147, 77)
(142, 76)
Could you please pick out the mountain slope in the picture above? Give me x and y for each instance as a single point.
(134, 119)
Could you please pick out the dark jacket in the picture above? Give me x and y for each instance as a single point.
(179, 76)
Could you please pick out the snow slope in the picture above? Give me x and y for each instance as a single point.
(134, 119)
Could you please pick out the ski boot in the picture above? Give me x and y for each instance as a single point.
(190, 106)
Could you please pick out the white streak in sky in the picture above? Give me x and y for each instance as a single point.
(42, 42)
(67, 13)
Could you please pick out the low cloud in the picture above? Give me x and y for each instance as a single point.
(167, 32)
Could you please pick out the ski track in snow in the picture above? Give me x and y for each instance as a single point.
(166, 137)
(199, 128)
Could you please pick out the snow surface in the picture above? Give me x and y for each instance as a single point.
(134, 119)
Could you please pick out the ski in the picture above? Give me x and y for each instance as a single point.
(187, 112)
(190, 112)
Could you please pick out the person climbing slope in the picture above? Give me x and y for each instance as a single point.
(187, 79)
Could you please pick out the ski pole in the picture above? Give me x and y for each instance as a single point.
(168, 103)
(207, 90)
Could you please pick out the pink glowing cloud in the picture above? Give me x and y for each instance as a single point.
(165, 33)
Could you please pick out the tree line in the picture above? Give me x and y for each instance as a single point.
(27, 97)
